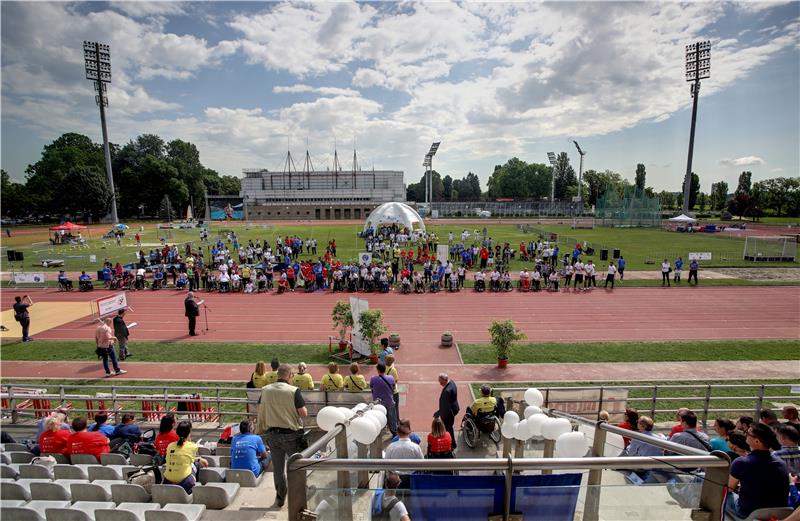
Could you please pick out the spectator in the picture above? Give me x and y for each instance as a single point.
(693, 267)
(791, 416)
(100, 425)
(54, 439)
(272, 376)
(354, 382)
(83, 442)
(332, 381)
(303, 380)
(723, 426)
(666, 269)
(644, 424)
(744, 423)
(689, 435)
(403, 448)
(182, 459)
(391, 370)
(385, 350)
(486, 404)
(61, 412)
(383, 391)
(789, 452)
(413, 436)
(737, 444)
(248, 451)
(762, 480)
(630, 421)
(104, 340)
(678, 428)
(440, 445)
(121, 333)
(127, 430)
(259, 377)
(166, 434)
(448, 404)
(768, 418)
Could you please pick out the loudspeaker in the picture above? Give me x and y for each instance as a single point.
(11, 254)
(19, 256)
(604, 254)
(616, 253)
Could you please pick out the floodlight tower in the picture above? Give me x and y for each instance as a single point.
(428, 164)
(97, 57)
(551, 156)
(580, 175)
(698, 66)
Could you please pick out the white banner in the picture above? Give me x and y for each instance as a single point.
(112, 304)
(360, 344)
(365, 258)
(700, 255)
(29, 278)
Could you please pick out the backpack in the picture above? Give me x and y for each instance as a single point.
(121, 446)
(146, 448)
(380, 509)
(146, 477)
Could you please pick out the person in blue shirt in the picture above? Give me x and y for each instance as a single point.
(248, 451)
(127, 430)
(101, 426)
(678, 268)
(158, 279)
(621, 267)
(85, 282)
(64, 281)
(554, 256)
(385, 351)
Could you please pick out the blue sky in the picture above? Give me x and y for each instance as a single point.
(492, 81)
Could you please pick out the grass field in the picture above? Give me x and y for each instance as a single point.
(638, 246)
(58, 350)
(692, 397)
(637, 352)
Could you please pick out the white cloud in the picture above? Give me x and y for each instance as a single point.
(325, 91)
(742, 161)
(140, 9)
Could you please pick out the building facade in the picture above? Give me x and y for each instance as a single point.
(318, 194)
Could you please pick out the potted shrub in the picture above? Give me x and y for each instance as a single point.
(447, 339)
(371, 324)
(342, 319)
(504, 333)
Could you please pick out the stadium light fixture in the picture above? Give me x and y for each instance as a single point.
(580, 175)
(428, 164)
(551, 156)
(698, 67)
(97, 57)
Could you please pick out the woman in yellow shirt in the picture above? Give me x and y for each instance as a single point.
(259, 376)
(332, 381)
(302, 380)
(182, 459)
(355, 382)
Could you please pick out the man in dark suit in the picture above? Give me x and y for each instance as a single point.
(448, 404)
(192, 311)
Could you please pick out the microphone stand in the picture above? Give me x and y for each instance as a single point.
(205, 313)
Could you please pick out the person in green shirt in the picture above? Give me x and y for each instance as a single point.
(355, 382)
(182, 459)
(302, 380)
(272, 376)
(332, 381)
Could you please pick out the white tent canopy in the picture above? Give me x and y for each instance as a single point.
(394, 213)
(683, 218)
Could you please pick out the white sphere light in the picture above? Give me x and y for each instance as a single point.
(328, 417)
(535, 424)
(572, 445)
(534, 396)
(348, 413)
(531, 410)
(364, 430)
(508, 430)
(360, 406)
(511, 417)
(377, 417)
(380, 408)
(555, 428)
(523, 430)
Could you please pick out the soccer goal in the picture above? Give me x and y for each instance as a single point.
(770, 249)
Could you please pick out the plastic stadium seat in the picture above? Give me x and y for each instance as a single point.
(20, 457)
(35, 472)
(244, 478)
(40, 507)
(168, 494)
(14, 490)
(20, 514)
(8, 503)
(10, 470)
(176, 513)
(80, 511)
(71, 472)
(15, 447)
(141, 459)
(52, 491)
(125, 512)
(211, 475)
(83, 459)
(5, 458)
(203, 451)
(215, 496)
(129, 493)
(225, 461)
(223, 450)
(60, 458)
(113, 459)
(94, 492)
(213, 461)
(107, 472)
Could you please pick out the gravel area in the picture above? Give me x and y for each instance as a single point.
(763, 274)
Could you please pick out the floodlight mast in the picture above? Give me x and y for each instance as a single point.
(551, 156)
(97, 57)
(580, 175)
(698, 66)
(428, 164)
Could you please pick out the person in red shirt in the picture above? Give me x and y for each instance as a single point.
(53, 439)
(166, 434)
(631, 419)
(83, 442)
(678, 428)
(440, 444)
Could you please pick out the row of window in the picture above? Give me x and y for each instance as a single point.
(319, 213)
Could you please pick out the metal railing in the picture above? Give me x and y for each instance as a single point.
(716, 465)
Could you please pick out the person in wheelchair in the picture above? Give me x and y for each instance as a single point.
(158, 279)
(64, 284)
(480, 281)
(85, 282)
(483, 416)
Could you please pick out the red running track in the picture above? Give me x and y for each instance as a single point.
(626, 314)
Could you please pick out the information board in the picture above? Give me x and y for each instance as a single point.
(112, 304)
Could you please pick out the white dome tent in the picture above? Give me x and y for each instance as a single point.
(394, 213)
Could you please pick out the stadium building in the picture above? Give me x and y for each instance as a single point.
(318, 194)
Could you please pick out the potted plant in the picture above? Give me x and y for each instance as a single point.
(394, 340)
(504, 333)
(342, 319)
(447, 339)
(371, 324)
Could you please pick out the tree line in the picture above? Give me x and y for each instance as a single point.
(70, 179)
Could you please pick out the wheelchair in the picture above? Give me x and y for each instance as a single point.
(473, 426)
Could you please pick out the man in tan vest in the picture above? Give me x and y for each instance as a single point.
(279, 412)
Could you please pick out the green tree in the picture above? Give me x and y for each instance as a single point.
(598, 183)
(640, 177)
(84, 190)
(719, 195)
(565, 176)
(667, 199)
(447, 185)
(14, 199)
(416, 191)
(745, 185)
(777, 194)
(694, 190)
(467, 188)
(702, 199)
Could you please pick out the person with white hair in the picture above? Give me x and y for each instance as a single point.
(448, 405)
